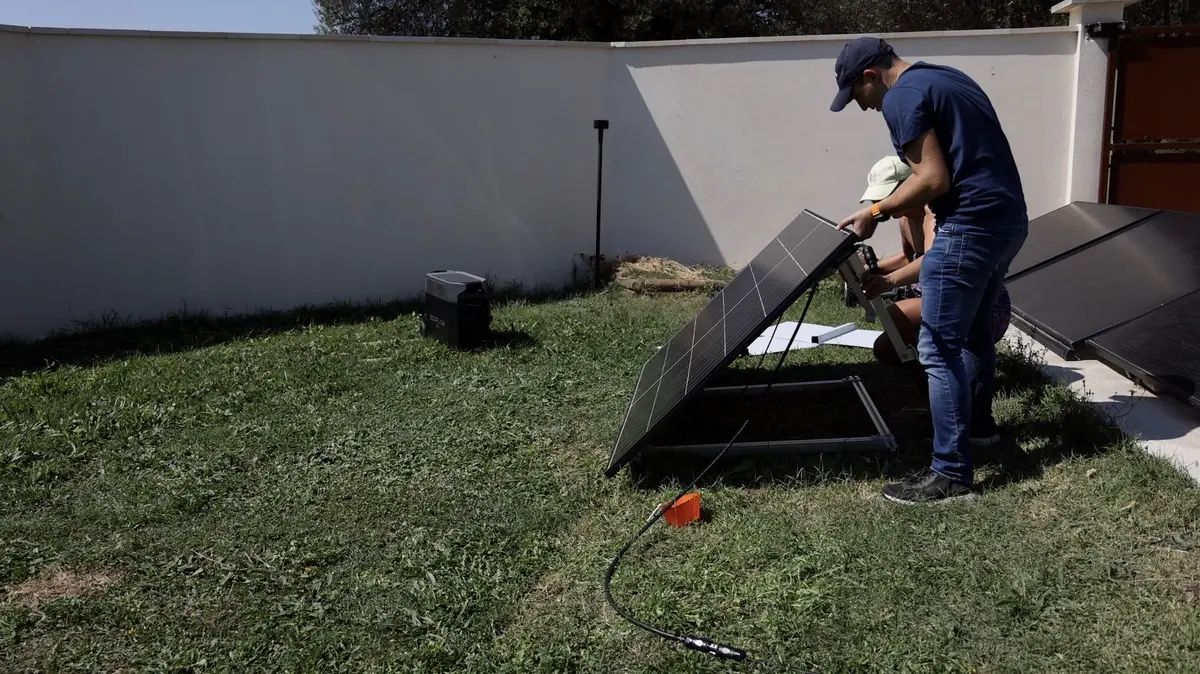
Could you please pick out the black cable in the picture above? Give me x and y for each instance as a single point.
(697, 643)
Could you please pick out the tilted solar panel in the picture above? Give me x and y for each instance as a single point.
(1108, 283)
(789, 265)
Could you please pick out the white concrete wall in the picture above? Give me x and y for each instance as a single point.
(237, 174)
(140, 173)
(718, 145)
(22, 248)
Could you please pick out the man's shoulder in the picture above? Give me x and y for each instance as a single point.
(928, 76)
(938, 87)
(903, 97)
(914, 85)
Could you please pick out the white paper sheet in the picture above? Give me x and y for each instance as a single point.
(864, 339)
(765, 344)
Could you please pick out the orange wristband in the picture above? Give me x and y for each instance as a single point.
(875, 210)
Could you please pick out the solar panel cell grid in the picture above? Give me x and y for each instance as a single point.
(766, 261)
(794, 237)
(650, 373)
(708, 319)
(785, 268)
(1067, 228)
(738, 289)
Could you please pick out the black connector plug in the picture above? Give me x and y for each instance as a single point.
(713, 648)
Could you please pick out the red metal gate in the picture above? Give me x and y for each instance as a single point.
(1151, 146)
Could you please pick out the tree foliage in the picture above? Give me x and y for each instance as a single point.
(617, 20)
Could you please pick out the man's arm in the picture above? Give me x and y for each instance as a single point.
(910, 123)
(930, 178)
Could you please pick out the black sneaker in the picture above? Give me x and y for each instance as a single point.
(927, 487)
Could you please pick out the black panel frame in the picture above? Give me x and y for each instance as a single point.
(1056, 343)
(1108, 349)
(1140, 375)
(835, 257)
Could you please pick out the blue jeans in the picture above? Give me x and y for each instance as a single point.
(960, 280)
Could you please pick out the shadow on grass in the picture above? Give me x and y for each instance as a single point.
(113, 338)
(1042, 424)
(508, 339)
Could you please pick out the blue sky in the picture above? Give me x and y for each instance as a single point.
(225, 16)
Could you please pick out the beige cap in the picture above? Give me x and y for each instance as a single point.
(885, 176)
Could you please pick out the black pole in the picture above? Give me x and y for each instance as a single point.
(600, 125)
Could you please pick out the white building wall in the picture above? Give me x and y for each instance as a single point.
(144, 172)
(238, 174)
(718, 146)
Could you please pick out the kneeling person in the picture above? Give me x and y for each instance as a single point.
(902, 271)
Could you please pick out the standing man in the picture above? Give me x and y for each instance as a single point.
(944, 127)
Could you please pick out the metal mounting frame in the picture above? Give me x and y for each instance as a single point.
(882, 440)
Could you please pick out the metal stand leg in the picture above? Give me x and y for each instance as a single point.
(851, 270)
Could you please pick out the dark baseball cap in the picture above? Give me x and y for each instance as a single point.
(858, 55)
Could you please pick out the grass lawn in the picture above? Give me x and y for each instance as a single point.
(326, 491)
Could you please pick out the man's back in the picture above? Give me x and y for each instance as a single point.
(985, 186)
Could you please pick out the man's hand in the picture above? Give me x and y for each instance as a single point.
(873, 286)
(862, 222)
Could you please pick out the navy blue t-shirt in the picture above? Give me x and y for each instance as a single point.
(985, 187)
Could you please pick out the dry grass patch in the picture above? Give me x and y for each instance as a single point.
(656, 268)
(55, 584)
(637, 273)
